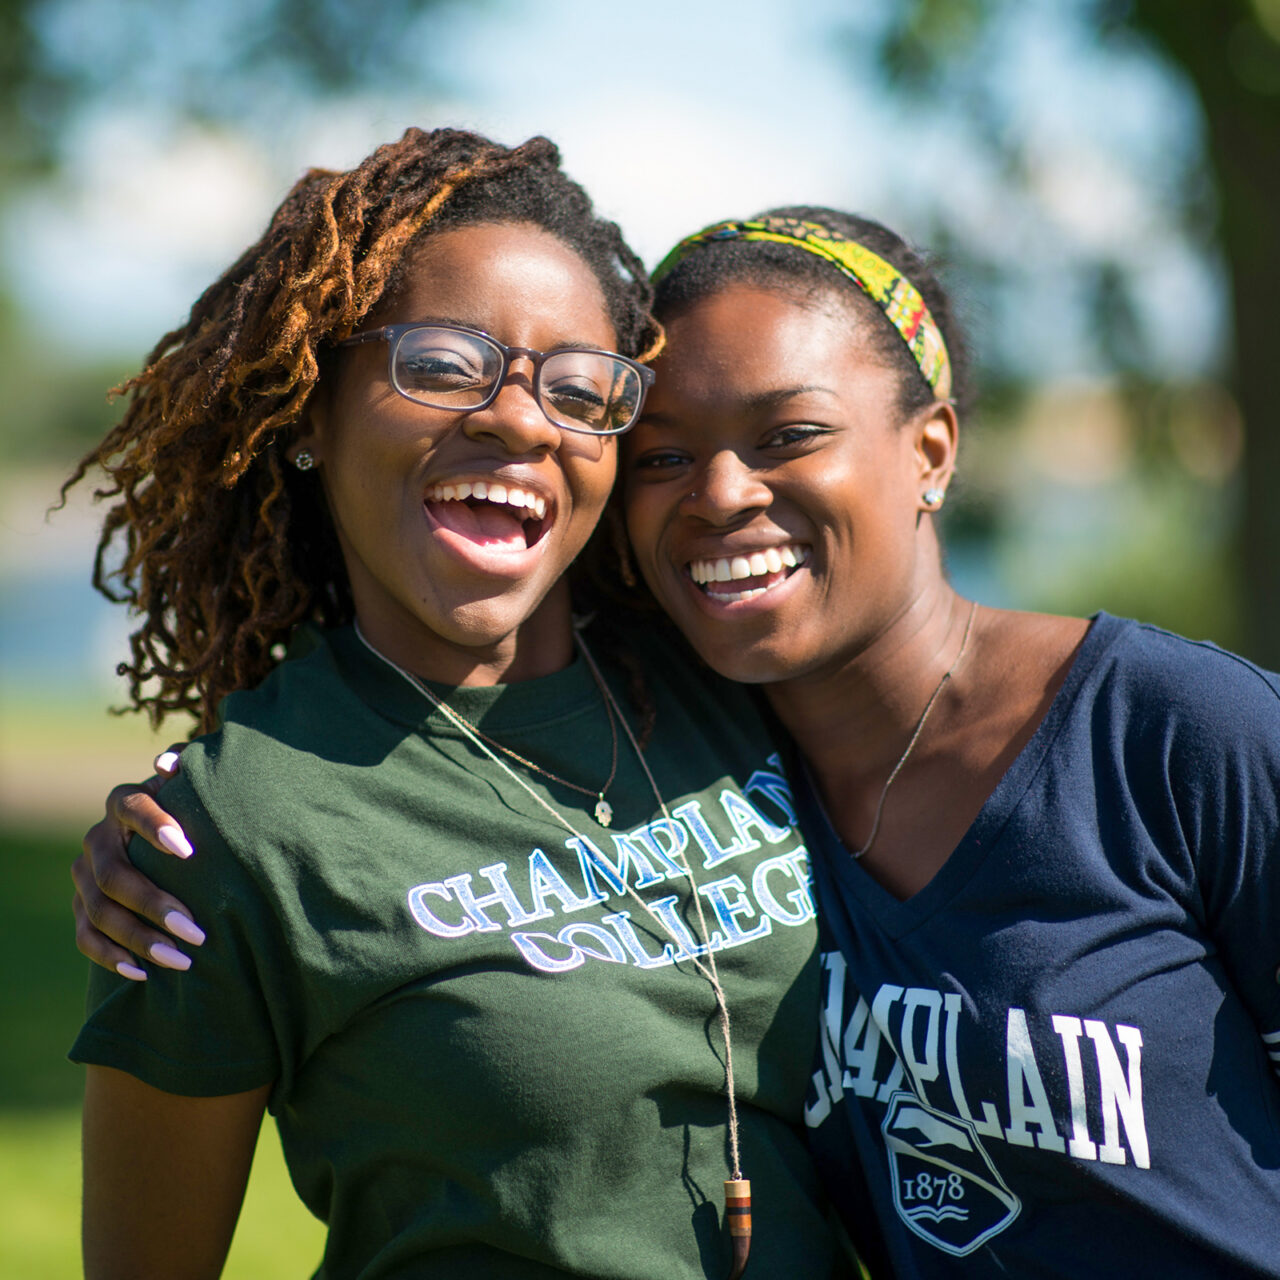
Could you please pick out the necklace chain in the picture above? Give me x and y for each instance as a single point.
(919, 729)
(708, 970)
(604, 810)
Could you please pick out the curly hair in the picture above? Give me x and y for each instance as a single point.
(213, 541)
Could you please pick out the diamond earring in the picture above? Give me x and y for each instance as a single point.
(304, 460)
(934, 497)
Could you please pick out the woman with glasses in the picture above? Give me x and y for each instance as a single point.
(483, 960)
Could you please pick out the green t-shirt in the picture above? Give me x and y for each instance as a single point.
(486, 1060)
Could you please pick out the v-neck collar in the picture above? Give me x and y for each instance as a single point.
(898, 917)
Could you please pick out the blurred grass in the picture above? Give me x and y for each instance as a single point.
(40, 1009)
(61, 752)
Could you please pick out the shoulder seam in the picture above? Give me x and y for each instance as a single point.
(1265, 678)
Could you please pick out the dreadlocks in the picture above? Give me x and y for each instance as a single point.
(212, 540)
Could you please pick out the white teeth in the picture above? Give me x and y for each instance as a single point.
(521, 499)
(754, 565)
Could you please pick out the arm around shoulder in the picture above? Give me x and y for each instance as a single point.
(164, 1176)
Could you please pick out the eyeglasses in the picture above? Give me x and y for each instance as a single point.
(447, 366)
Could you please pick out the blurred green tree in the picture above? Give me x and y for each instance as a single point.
(247, 64)
(209, 63)
(1228, 52)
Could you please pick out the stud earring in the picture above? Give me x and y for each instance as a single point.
(934, 497)
(304, 460)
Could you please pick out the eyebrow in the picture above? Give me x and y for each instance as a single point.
(467, 324)
(768, 399)
(756, 402)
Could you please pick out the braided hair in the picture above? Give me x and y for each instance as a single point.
(213, 540)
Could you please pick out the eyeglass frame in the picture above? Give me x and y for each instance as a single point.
(392, 334)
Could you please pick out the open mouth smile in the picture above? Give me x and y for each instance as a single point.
(730, 579)
(492, 515)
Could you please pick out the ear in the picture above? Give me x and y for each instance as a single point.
(936, 439)
(308, 434)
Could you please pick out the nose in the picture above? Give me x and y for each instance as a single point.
(724, 490)
(514, 418)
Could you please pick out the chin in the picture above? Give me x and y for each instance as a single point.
(762, 662)
(485, 623)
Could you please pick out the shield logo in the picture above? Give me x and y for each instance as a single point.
(945, 1187)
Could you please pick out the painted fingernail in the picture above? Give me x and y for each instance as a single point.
(131, 971)
(166, 762)
(173, 840)
(170, 957)
(184, 927)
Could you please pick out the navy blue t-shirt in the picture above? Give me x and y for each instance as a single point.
(1059, 1058)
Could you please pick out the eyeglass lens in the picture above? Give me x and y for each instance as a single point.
(582, 390)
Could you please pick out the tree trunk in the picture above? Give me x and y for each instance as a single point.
(1244, 150)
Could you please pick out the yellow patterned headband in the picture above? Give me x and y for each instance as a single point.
(887, 287)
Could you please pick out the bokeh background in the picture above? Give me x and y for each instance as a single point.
(1099, 180)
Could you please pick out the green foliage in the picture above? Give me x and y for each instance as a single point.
(1160, 561)
(925, 35)
(205, 62)
(54, 410)
(1222, 57)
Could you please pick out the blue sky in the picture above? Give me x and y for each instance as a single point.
(694, 117)
(673, 115)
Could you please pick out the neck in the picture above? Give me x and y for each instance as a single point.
(540, 646)
(852, 719)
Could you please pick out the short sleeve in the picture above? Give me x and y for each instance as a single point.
(1228, 792)
(206, 1031)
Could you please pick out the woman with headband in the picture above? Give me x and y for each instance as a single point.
(1049, 1002)
(1044, 847)
(475, 951)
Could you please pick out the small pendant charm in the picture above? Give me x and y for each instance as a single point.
(604, 812)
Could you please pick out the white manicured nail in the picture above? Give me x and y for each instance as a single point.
(173, 840)
(170, 957)
(131, 971)
(166, 762)
(184, 927)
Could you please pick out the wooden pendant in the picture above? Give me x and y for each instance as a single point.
(737, 1215)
